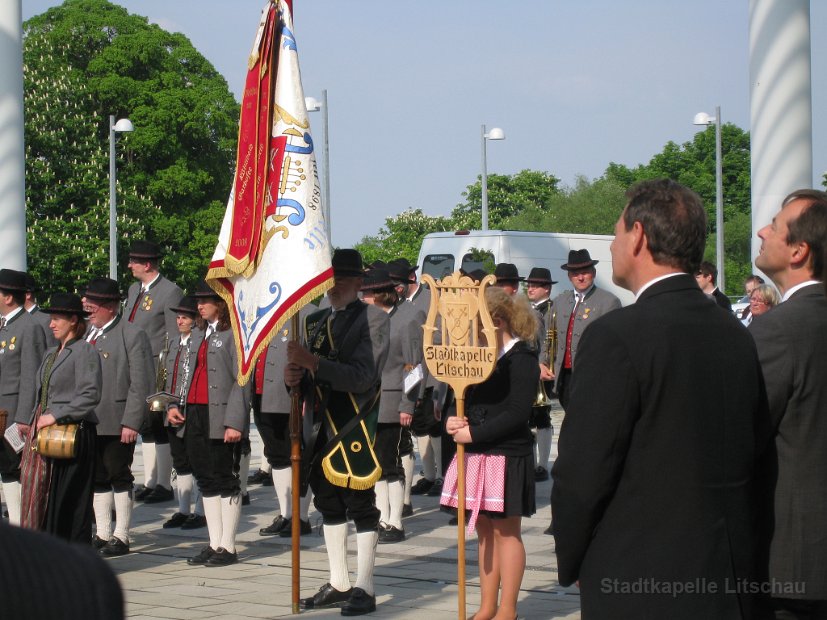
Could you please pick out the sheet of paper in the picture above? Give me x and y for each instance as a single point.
(12, 435)
(413, 378)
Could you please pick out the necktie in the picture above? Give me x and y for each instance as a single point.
(2, 322)
(567, 358)
(137, 303)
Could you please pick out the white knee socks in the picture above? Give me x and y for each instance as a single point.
(366, 557)
(230, 514)
(102, 504)
(11, 491)
(335, 541)
(212, 510)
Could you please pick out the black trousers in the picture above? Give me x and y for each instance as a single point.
(563, 383)
(9, 462)
(214, 462)
(338, 504)
(113, 467)
(274, 429)
(388, 450)
(155, 430)
(69, 504)
(178, 449)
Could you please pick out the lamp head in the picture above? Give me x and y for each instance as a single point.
(495, 134)
(123, 125)
(312, 104)
(702, 118)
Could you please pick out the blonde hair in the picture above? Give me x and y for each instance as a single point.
(768, 295)
(517, 313)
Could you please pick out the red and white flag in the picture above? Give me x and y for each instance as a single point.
(273, 255)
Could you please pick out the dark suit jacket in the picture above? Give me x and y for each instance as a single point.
(722, 300)
(656, 458)
(792, 346)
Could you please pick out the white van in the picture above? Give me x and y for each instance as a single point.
(445, 252)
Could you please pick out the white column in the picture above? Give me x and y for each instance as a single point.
(12, 154)
(781, 111)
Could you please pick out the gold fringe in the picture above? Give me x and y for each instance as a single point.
(316, 291)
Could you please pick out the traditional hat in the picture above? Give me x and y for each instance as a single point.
(347, 263)
(507, 272)
(145, 250)
(477, 274)
(205, 291)
(12, 280)
(579, 259)
(540, 275)
(65, 303)
(401, 270)
(102, 289)
(377, 279)
(31, 283)
(187, 305)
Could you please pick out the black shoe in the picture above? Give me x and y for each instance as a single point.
(327, 596)
(114, 547)
(540, 474)
(275, 527)
(221, 557)
(159, 494)
(260, 477)
(287, 530)
(407, 510)
(550, 529)
(245, 499)
(98, 543)
(176, 520)
(422, 486)
(391, 534)
(205, 554)
(194, 522)
(359, 603)
(141, 493)
(436, 488)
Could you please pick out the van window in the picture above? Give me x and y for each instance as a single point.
(478, 259)
(438, 265)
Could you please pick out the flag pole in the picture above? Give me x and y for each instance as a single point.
(295, 465)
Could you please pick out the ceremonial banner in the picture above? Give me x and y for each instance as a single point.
(273, 255)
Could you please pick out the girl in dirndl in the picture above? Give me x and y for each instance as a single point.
(499, 474)
(57, 493)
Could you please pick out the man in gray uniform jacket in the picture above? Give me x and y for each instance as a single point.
(40, 317)
(21, 351)
(146, 306)
(576, 310)
(128, 373)
(792, 340)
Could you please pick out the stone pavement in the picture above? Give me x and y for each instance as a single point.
(414, 579)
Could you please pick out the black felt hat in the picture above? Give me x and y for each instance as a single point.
(579, 259)
(65, 303)
(12, 280)
(347, 263)
(507, 272)
(401, 270)
(31, 283)
(540, 275)
(205, 291)
(146, 250)
(377, 279)
(102, 289)
(476, 275)
(187, 305)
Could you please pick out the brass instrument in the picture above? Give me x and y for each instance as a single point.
(161, 374)
(541, 399)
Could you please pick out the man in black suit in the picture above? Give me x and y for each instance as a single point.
(651, 495)
(707, 279)
(791, 341)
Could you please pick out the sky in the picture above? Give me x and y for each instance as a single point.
(574, 84)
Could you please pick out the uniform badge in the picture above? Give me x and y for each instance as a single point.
(147, 305)
(11, 343)
(217, 344)
(105, 354)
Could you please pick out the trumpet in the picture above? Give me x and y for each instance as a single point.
(161, 374)
(541, 399)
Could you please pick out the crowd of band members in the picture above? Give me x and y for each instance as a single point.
(94, 360)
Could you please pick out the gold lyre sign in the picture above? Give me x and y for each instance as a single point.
(458, 357)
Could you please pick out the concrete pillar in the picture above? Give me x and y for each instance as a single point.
(12, 155)
(781, 110)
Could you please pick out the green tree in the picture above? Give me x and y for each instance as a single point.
(83, 61)
(401, 236)
(693, 164)
(590, 207)
(508, 196)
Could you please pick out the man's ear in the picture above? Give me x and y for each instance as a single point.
(639, 240)
(800, 255)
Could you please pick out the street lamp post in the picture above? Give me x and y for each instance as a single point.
(121, 126)
(702, 118)
(495, 134)
(313, 105)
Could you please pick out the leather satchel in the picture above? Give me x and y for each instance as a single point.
(57, 441)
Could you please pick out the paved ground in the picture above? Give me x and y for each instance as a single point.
(414, 579)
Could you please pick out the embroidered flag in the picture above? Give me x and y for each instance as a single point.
(273, 255)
